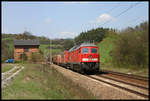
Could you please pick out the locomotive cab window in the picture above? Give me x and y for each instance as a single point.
(79, 51)
(94, 50)
(85, 50)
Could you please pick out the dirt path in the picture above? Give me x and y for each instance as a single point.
(9, 75)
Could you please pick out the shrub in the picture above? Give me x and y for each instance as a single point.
(18, 62)
(36, 57)
(23, 57)
(132, 47)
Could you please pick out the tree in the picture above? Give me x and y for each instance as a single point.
(67, 44)
(131, 48)
(4, 50)
(25, 35)
(93, 35)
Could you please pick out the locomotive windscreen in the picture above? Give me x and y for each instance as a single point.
(85, 50)
(93, 50)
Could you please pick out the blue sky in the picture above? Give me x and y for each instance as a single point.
(68, 19)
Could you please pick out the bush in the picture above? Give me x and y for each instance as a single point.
(132, 47)
(36, 57)
(18, 62)
(23, 57)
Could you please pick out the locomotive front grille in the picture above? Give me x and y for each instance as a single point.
(90, 64)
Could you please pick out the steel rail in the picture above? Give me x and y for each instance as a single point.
(127, 75)
(146, 88)
(115, 85)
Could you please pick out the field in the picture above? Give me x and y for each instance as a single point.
(6, 67)
(38, 81)
(45, 50)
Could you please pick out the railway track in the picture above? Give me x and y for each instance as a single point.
(127, 75)
(138, 85)
(119, 86)
(131, 83)
(125, 82)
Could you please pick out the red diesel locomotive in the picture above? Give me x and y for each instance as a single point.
(84, 57)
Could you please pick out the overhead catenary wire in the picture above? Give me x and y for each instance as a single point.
(116, 6)
(134, 20)
(131, 6)
(51, 51)
(124, 11)
(94, 26)
(84, 31)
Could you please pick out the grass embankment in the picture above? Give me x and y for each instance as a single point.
(6, 67)
(37, 81)
(129, 69)
(105, 47)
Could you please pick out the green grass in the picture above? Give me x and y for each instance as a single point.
(129, 69)
(105, 47)
(38, 81)
(7, 38)
(6, 68)
(44, 48)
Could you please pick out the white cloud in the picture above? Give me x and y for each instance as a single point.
(48, 20)
(67, 34)
(104, 17)
(101, 19)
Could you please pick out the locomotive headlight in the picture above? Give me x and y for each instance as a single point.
(85, 59)
(94, 59)
(89, 59)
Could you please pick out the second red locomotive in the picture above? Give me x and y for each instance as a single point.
(84, 57)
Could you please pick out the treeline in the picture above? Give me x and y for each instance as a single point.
(94, 35)
(24, 36)
(63, 44)
(7, 43)
(8, 48)
(43, 40)
(131, 47)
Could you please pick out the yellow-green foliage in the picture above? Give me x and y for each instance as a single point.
(131, 47)
(23, 56)
(105, 48)
(45, 49)
(36, 57)
(7, 68)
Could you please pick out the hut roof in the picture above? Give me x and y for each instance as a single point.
(26, 42)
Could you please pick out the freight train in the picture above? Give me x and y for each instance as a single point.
(82, 58)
